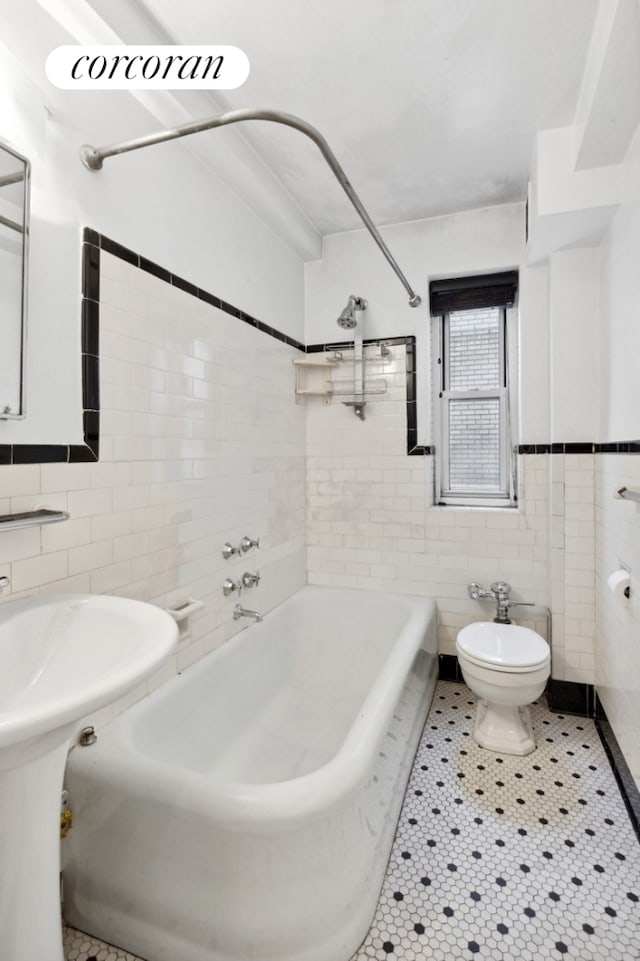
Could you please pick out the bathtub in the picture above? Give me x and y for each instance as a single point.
(245, 810)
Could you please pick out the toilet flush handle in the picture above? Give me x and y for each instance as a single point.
(478, 593)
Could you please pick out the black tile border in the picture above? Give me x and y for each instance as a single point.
(533, 448)
(96, 242)
(626, 783)
(571, 697)
(90, 366)
(563, 697)
(143, 263)
(618, 447)
(93, 243)
(414, 449)
(582, 447)
(449, 668)
(40, 453)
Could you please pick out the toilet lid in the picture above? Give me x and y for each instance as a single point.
(505, 646)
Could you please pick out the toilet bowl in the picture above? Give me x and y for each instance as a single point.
(507, 667)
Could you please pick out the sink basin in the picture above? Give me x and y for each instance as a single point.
(61, 658)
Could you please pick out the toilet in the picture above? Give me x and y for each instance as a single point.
(507, 667)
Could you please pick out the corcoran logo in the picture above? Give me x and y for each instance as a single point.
(147, 67)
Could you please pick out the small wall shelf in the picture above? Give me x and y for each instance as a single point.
(310, 379)
(11, 522)
(314, 375)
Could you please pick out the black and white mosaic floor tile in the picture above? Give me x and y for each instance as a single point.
(499, 857)
(81, 947)
(506, 858)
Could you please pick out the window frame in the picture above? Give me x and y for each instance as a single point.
(507, 396)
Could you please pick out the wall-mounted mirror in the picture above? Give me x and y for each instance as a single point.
(14, 235)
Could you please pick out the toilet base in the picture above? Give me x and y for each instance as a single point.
(504, 728)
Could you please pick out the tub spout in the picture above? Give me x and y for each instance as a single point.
(239, 612)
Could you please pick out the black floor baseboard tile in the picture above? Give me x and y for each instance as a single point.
(449, 669)
(626, 783)
(570, 697)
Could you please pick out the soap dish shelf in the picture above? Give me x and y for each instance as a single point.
(181, 612)
(184, 609)
(310, 385)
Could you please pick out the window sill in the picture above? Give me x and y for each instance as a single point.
(493, 508)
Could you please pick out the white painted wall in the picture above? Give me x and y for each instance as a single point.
(574, 291)
(585, 214)
(619, 346)
(162, 203)
(617, 521)
(534, 348)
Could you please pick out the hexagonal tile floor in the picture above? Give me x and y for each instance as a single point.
(499, 857)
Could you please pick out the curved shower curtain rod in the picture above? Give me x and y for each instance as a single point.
(93, 157)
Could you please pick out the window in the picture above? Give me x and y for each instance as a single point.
(474, 404)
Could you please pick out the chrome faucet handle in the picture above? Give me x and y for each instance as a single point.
(501, 587)
(247, 543)
(228, 551)
(4, 582)
(477, 593)
(230, 586)
(250, 580)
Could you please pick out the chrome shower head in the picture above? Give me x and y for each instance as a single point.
(347, 319)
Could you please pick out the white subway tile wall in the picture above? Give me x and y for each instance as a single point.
(201, 442)
(372, 524)
(572, 564)
(617, 534)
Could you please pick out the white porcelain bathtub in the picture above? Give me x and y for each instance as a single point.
(245, 811)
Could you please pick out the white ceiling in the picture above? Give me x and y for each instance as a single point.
(431, 106)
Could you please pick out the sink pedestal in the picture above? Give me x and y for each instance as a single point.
(61, 658)
(30, 921)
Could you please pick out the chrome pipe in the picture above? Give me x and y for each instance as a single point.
(13, 178)
(11, 224)
(93, 158)
(628, 494)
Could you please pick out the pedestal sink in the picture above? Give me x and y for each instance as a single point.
(61, 658)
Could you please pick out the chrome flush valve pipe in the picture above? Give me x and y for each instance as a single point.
(498, 592)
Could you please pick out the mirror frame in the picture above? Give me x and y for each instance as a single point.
(21, 413)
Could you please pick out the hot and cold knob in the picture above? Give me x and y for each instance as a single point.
(250, 580)
(245, 545)
(247, 580)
